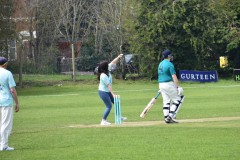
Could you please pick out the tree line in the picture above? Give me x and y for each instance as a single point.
(197, 31)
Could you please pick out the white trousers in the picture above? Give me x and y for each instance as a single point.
(170, 98)
(6, 123)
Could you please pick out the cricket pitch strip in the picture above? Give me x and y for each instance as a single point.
(155, 123)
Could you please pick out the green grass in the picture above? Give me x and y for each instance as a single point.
(41, 129)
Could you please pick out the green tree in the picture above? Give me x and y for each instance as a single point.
(229, 30)
(197, 31)
(7, 26)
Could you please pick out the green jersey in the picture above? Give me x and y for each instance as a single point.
(165, 71)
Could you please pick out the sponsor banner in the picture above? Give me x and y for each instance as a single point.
(236, 73)
(198, 76)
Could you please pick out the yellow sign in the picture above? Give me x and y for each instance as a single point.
(223, 61)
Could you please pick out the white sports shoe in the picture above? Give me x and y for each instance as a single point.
(104, 122)
(7, 149)
(124, 118)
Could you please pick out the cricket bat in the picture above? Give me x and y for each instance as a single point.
(150, 104)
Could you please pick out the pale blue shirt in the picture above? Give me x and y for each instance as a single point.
(6, 82)
(105, 81)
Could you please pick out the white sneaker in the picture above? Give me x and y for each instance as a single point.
(7, 149)
(104, 122)
(124, 118)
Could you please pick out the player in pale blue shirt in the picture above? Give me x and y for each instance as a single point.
(169, 87)
(8, 95)
(6, 82)
(105, 86)
(105, 80)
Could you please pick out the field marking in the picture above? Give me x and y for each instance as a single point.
(154, 123)
(53, 95)
(122, 91)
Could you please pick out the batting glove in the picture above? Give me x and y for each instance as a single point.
(180, 91)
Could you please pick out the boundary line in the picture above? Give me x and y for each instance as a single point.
(122, 91)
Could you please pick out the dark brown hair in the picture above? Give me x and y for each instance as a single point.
(103, 68)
